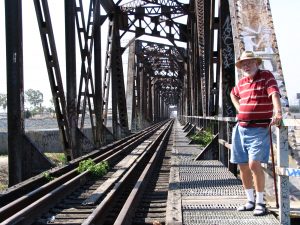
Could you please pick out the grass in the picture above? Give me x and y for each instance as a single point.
(202, 138)
(57, 158)
(3, 186)
(97, 170)
(3, 174)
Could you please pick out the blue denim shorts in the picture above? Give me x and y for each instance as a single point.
(249, 144)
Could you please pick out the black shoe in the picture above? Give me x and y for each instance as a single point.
(245, 208)
(261, 211)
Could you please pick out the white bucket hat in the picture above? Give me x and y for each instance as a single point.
(246, 55)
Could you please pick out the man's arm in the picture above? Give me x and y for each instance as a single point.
(277, 109)
(235, 101)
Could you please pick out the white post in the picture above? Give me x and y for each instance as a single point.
(283, 181)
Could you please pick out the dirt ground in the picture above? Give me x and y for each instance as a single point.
(3, 172)
(56, 158)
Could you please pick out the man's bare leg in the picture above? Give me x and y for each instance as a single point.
(258, 175)
(259, 184)
(246, 176)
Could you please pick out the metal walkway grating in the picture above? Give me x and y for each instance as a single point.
(208, 215)
(208, 178)
(205, 192)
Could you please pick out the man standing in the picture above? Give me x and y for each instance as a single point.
(256, 98)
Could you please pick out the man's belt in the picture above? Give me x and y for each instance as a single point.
(255, 121)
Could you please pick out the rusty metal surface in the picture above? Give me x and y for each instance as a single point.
(253, 30)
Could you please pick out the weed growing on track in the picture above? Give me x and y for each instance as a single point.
(48, 176)
(97, 170)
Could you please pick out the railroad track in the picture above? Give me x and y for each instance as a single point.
(74, 198)
(152, 206)
(38, 181)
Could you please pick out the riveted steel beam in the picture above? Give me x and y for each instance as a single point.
(70, 41)
(54, 74)
(109, 6)
(21, 151)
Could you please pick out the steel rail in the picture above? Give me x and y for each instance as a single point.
(126, 214)
(99, 213)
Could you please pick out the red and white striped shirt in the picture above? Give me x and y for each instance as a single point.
(255, 98)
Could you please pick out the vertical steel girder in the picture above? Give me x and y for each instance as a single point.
(211, 95)
(149, 100)
(15, 88)
(138, 93)
(21, 151)
(130, 91)
(113, 75)
(225, 79)
(107, 71)
(138, 116)
(143, 92)
(156, 103)
(70, 44)
(226, 67)
(196, 82)
(99, 134)
(200, 14)
(119, 109)
(187, 81)
(207, 51)
(223, 58)
(186, 93)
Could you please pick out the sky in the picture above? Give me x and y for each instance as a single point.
(285, 17)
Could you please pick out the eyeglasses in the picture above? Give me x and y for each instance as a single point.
(248, 62)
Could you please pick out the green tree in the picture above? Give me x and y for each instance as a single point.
(34, 97)
(51, 108)
(3, 101)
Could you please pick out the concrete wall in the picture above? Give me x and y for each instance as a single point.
(45, 140)
(3, 143)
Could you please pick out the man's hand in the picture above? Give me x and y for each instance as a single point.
(276, 120)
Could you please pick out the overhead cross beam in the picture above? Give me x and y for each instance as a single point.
(109, 6)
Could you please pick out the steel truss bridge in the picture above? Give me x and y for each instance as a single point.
(190, 70)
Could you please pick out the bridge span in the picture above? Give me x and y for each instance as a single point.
(181, 63)
(157, 176)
